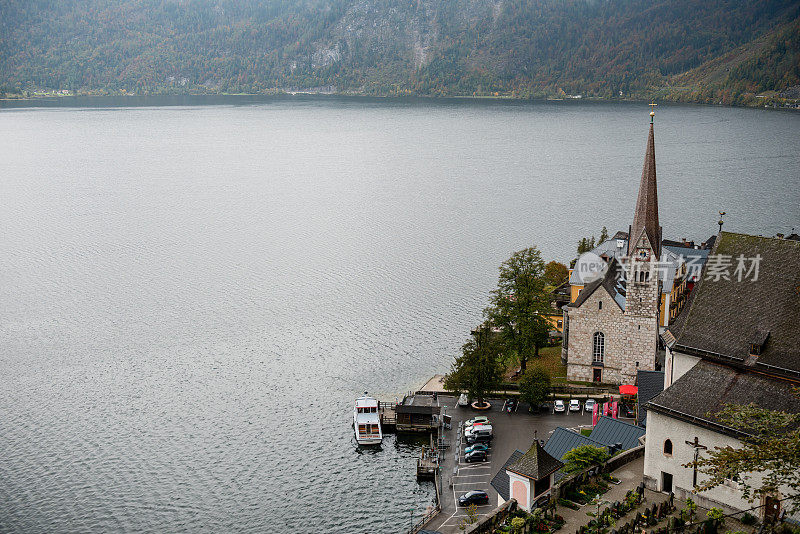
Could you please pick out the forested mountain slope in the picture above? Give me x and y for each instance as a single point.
(640, 48)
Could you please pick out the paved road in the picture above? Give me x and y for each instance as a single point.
(511, 432)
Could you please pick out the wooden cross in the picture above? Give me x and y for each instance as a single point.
(697, 449)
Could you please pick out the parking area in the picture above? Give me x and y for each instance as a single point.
(512, 431)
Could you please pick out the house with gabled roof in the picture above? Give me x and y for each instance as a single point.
(527, 476)
(736, 342)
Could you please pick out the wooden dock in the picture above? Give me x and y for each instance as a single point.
(427, 464)
(388, 416)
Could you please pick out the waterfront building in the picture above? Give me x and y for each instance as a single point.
(737, 342)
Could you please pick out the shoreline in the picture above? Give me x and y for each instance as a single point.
(31, 99)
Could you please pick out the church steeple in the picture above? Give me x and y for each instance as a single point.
(645, 218)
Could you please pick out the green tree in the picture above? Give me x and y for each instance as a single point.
(586, 244)
(771, 447)
(520, 304)
(556, 273)
(478, 371)
(534, 387)
(584, 457)
(603, 235)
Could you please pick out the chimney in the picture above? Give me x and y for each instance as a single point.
(757, 342)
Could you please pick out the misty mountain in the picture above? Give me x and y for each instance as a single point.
(675, 49)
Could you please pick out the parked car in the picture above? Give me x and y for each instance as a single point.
(478, 438)
(463, 400)
(626, 411)
(589, 405)
(476, 447)
(473, 497)
(558, 406)
(479, 419)
(574, 405)
(474, 427)
(475, 456)
(479, 430)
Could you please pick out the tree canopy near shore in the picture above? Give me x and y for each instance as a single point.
(534, 387)
(690, 50)
(478, 371)
(520, 304)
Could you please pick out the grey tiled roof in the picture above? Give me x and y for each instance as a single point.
(609, 431)
(703, 390)
(722, 316)
(562, 441)
(536, 463)
(650, 384)
(500, 480)
(695, 259)
(613, 281)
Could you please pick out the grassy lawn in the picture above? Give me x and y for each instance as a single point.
(549, 359)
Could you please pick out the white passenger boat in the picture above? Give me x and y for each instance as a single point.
(367, 421)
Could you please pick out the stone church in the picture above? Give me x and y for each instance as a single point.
(611, 329)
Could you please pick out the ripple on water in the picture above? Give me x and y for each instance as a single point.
(192, 297)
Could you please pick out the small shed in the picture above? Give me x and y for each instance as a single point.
(532, 476)
(418, 413)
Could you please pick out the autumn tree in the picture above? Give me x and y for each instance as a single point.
(770, 447)
(520, 304)
(556, 273)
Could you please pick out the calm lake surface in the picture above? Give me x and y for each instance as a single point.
(193, 291)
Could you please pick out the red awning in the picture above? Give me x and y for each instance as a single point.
(628, 390)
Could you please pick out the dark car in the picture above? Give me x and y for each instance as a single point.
(473, 497)
(626, 411)
(475, 456)
(471, 439)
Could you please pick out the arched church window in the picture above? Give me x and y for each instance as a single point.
(600, 305)
(599, 347)
(668, 446)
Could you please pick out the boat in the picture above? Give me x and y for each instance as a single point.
(367, 421)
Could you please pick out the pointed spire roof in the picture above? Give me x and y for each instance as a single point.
(645, 218)
(536, 463)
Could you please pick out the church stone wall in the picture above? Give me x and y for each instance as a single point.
(628, 340)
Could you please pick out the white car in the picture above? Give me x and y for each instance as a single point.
(485, 429)
(558, 406)
(589, 405)
(574, 405)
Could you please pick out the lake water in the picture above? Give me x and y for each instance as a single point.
(193, 291)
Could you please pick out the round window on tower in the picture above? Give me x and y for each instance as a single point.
(643, 254)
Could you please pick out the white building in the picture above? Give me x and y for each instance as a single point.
(526, 477)
(736, 342)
